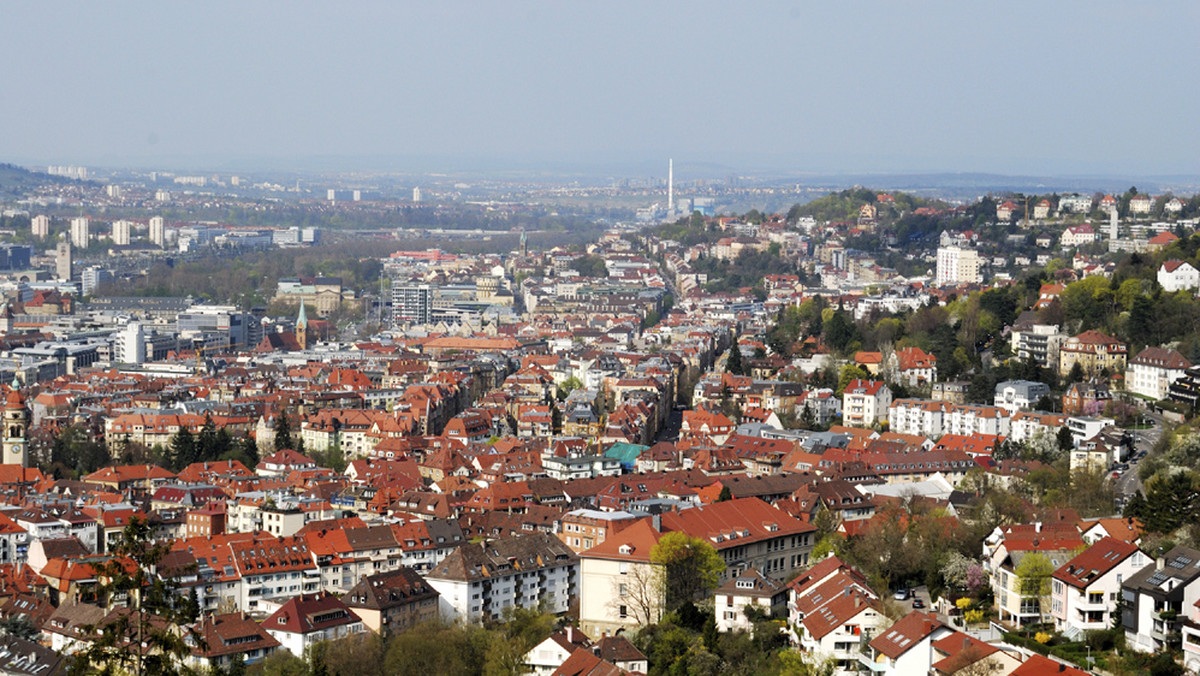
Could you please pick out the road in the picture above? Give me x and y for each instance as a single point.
(1143, 440)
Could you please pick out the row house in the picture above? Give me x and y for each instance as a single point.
(1158, 602)
(1027, 425)
(834, 613)
(619, 582)
(393, 602)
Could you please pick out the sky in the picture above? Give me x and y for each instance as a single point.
(1037, 88)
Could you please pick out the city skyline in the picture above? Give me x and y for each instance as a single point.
(1071, 88)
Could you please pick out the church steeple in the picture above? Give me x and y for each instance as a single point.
(302, 328)
(16, 426)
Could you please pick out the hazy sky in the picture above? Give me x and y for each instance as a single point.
(1089, 87)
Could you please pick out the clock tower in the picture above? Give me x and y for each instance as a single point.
(16, 428)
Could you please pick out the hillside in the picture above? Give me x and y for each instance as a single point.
(18, 181)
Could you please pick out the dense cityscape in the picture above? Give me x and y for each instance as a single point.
(874, 432)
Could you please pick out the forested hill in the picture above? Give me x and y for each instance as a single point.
(844, 205)
(17, 181)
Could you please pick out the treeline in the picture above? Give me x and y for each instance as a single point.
(845, 204)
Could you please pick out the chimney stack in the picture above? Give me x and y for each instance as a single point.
(1160, 563)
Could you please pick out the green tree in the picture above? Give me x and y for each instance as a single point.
(1033, 577)
(725, 495)
(283, 431)
(184, 450)
(734, 363)
(692, 567)
(149, 637)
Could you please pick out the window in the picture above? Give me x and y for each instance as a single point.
(622, 612)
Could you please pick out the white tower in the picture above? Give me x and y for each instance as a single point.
(1113, 225)
(157, 230)
(670, 186)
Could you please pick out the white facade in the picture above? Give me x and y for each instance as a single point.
(1176, 276)
(121, 232)
(130, 345)
(157, 231)
(1151, 381)
(80, 232)
(1092, 607)
(957, 266)
(40, 226)
(865, 403)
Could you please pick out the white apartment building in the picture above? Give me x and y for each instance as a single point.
(158, 231)
(40, 225)
(865, 402)
(121, 232)
(1176, 275)
(80, 232)
(1152, 371)
(957, 265)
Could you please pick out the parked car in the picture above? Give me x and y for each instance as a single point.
(902, 594)
(918, 603)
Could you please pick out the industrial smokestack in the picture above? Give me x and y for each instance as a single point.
(671, 186)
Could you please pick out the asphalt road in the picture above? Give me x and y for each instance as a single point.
(1143, 440)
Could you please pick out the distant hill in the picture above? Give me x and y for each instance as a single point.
(18, 181)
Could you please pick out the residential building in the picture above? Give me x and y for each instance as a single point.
(1077, 235)
(1095, 352)
(748, 532)
(906, 647)
(865, 402)
(307, 619)
(1085, 591)
(412, 303)
(80, 232)
(750, 589)
(220, 639)
(1039, 342)
(545, 658)
(1151, 373)
(914, 367)
(1156, 602)
(957, 265)
(479, 582)
(619, 584)
(393, 602)
(1015, 395)
(1176, 275)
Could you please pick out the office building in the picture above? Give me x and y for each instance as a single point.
(412, 303)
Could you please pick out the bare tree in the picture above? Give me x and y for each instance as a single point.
(642, 592)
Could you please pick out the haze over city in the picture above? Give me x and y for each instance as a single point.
(1025, 87)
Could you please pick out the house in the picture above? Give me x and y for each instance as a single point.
(914, 366)
(393, 601)
(1085, 398)
(1161, 240)
(619, 584)
(1152, 371)
(308, 619)
(1036, 665)
(550, 654)
(1095, 352)
(750, 589)
(1005, 211)
(1156, 598)
(906, 647)
(1140, 203)
(1086, 590)
(865, 402)
(1015, 395)
(619, 651)
(1041, 209)
(833, 612)
(1003, 551)
(960, 653)
(479, 582)
(221, 638)
(1077, 235)
(1176, 275)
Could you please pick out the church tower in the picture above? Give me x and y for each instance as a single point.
(16, 427)
(302, 328)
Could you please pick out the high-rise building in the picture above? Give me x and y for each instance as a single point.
(92, 277)
(130, 344)
(62, 261)
(113, 190)
(80, 232)
(120, 232)
(157, 231)
(41, 226)
(417, 194)
(412, 303)
(957, 265)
